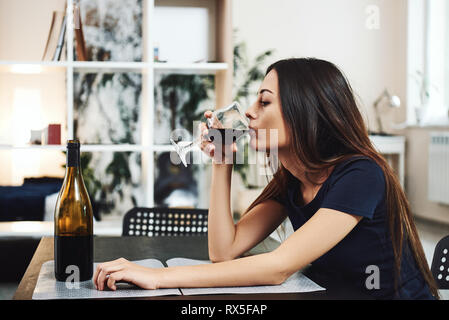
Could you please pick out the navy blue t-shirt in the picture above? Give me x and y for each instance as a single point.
(357, 186)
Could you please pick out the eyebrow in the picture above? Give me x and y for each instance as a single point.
(263, 90)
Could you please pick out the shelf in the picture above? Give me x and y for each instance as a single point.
(388, 144)
(385, 144)
(189, 68)
(387, 139)
(32, 147)
(32, 67)
(114, 147)
(40, 229)
(95, 147)
(161, 67)
(163, 148)
(109, 66)
(84, 147)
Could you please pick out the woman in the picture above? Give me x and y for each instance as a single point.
(350, 215)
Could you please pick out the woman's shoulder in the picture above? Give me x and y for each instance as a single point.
(356, 186)
(358, 166)
(358, 162)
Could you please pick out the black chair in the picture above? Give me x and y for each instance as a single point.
(440, 263)
(154, 222)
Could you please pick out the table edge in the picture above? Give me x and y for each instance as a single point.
(23, 291)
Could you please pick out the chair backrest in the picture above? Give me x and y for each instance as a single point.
(440, 263)
(154, 222)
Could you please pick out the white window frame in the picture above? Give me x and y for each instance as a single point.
(426, 50)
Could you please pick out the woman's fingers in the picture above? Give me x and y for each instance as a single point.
(203, 130)
(214, 149)
(220, 153)
(215, 122)
(206, 144)
(109, 273)
(104, 269)
(210, 149)
(97, 272)
(115, 277)
(94, 278)
(103, 275)
(208, 114)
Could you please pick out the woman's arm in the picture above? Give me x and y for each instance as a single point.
(221, 228)
(227, 240)
(248, 271)
(317, 236)
(324, 230)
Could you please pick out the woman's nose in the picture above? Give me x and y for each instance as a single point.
(250, 112)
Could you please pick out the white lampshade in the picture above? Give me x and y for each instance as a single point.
(395, 101)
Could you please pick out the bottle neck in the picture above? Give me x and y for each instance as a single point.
(73, 159)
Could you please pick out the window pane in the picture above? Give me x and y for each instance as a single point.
(112, 29)
(434, 86)
(107, 107)
(446, 67)
(114, 181)
(180, 99)
(178, 186)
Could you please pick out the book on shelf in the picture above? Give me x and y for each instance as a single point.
(60, 45)
(81, 54)
(52, 134)
(57, 27)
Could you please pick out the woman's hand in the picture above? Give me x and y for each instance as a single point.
(220, 153)
(108, 273)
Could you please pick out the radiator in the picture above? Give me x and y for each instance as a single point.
(438, 183)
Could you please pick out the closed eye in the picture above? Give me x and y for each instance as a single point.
(264, 103)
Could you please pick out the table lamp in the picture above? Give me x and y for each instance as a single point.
(393, 102)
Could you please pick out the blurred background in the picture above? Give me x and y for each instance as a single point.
(121, 75)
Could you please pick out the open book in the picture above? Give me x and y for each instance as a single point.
(48, 288)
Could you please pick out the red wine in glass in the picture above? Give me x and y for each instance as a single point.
(226, 136)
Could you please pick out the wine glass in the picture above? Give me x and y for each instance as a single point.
(225, 126)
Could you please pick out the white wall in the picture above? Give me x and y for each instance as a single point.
(335, 30)
(417, 179)
(24, 26)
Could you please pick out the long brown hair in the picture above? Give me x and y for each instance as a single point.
(326, 128)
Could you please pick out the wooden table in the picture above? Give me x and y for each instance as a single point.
(162, 248)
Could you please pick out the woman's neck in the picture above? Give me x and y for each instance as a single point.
(308, 189)
(291, 164)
